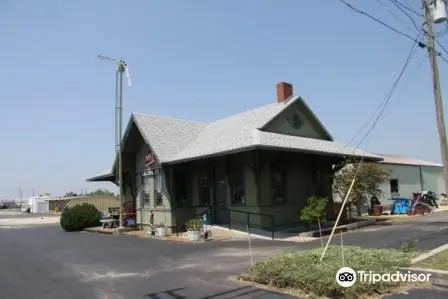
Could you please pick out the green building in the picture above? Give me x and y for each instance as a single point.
(409, 175)
(256, 167)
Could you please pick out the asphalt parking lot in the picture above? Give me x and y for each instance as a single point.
(50, 263)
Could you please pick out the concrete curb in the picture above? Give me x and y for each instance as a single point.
(115, 231)
(92, 230)
(428, 254)
(346, 227)
(438, 277)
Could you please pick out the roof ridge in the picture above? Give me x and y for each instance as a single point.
(242, 112)
(217, 120)
(414, 159)
(170, 117)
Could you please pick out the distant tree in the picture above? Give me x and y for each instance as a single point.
(368, 181)
(102, 192)
(70, 194)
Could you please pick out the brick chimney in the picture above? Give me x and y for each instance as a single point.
(284, 91)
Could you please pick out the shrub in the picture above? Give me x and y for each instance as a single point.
(194, 225)
(302, 270)
(80, 217)
(315, 209)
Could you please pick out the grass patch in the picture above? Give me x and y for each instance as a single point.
(438, 261)
(303, 271)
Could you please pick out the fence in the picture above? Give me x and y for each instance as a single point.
(102, 203)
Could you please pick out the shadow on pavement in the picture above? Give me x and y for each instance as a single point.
(233, 293)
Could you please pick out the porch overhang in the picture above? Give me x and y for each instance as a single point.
(104, 177)
(368, 157)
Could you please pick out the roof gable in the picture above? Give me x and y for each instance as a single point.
(298, 120)
(167, 136)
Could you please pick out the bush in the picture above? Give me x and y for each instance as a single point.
(80, 217)
(302, 270)
(315, 209)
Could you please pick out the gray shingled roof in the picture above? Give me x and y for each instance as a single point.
(167, 136)
(175, 140)
(395, 159)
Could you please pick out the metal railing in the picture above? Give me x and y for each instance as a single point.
(238, 219)
(231, 218)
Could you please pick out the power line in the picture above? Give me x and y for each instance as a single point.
(395, 16)
(420, 44)
(440, 44)
(377, 20)
(389, 95)
(395, 2)
(408, 8)
(358, 168)
(384, 103)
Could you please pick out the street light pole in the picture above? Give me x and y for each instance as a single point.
(121, 67)
(120, 71)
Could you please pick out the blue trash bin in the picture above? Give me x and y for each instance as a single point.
(400, 206)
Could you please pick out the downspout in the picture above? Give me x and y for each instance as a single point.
(256, 177)
(421, 177)
(213, 199)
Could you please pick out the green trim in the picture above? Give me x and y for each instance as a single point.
(108, 177)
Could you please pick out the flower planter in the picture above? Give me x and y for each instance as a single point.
(161, 232)
(149, 231)
(194, 235)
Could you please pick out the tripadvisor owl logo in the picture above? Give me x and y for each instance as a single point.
(346, 277)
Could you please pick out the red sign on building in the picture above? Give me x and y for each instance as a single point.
(150, 160)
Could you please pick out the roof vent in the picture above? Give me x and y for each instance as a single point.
(284, 91)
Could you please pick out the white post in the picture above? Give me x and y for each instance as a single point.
(320, 232)
(250, 247)
(342, 250)
(339, 215)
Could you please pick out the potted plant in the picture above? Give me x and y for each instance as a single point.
(194, 227)
(160, 230)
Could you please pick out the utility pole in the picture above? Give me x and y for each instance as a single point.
(122, 67)
(436, 86)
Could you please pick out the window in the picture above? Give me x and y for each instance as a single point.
(204, 190)
(295, 121)
(278, 185)
(394, 186)
(236, 180)
(181, 187)
(145, 198)
(158, 199)
(152, 182)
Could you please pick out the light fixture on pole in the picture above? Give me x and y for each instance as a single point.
(437, 10)
(122, 67)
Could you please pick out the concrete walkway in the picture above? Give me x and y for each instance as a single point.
(21, 222)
